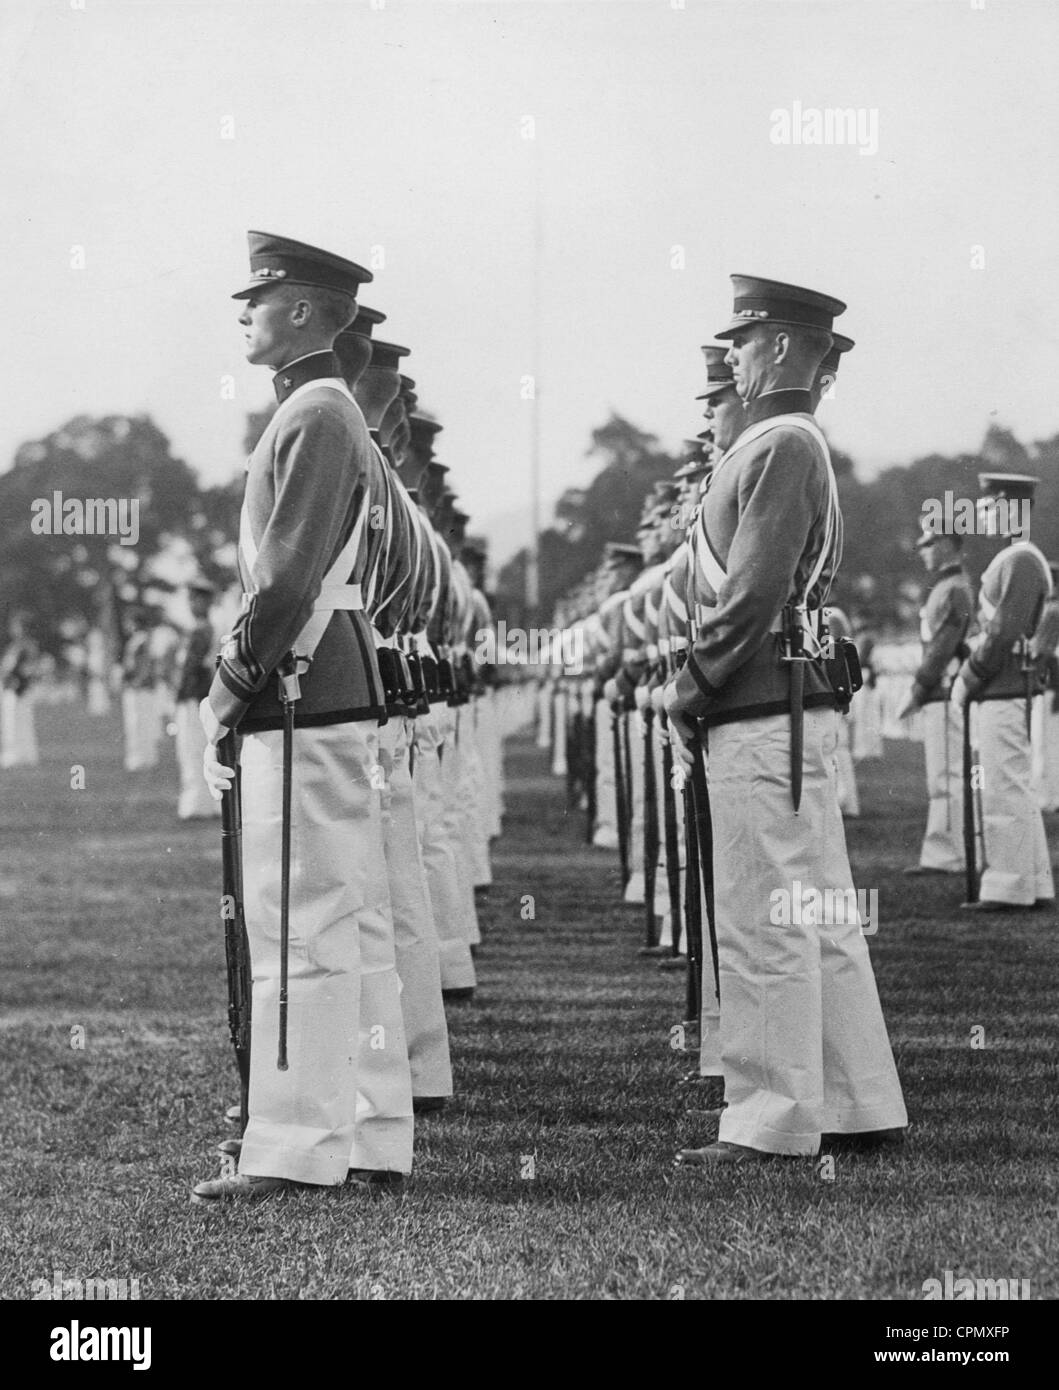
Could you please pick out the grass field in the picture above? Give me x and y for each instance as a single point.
(108, 922)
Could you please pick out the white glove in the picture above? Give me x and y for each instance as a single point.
(610, 691)
(211, 725)
(909, 707)
(959, 695)
(218, 777)
(658, 699)
(642, 696)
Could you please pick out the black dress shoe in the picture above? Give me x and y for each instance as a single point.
(723, 1154)
(864, 1141)
(427, 1105)
(457, 994)
(244, 1187)
(924, 871)
(378, 1179)
(985, 905)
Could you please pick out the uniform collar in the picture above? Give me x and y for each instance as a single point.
(956, 567)
(314, 366)
(771, 403)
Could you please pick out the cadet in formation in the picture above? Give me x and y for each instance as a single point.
(1000, 677)
(804, 1048)
(343, 575)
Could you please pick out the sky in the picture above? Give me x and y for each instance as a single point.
(555, 190)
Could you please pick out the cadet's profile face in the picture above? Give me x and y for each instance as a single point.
(267, 326)
(751, 357)
(725, 411)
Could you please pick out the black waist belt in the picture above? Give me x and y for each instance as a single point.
(823, 699)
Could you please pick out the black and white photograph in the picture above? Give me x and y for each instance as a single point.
(529, 665)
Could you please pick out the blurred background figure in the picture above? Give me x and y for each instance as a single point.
(866, 710)
(193, 674)
(18, 669)
(1045, 719)
(139, 695)
(845, 773)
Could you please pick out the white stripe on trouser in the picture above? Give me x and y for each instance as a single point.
(845, 775)
(415, 936)
(194, 799)
(634, 889)
(302, 1120)
(474, 793)
(943, 747)
(710, 1063)
(559, 733)
(866, 716)
(605, 832)
(804, 1043)
(139, 710)
(1046, 752)
(544, 714)
(439, 856)
(1015, 851)
(487, 738)
(454, 788)
(18, 734)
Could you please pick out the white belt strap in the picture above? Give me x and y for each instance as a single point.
(677, 605)
(632, 620)
(710, 564)
(334, 593)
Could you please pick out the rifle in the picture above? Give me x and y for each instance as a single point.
(669, 812)
(650, 829)
(619, 793)
(574, 741)
(693, 891)
(968, 808)
(589, 767)
(704, 826)
(290, 693)
(236, 942)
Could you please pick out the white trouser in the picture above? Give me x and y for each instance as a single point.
(303, 1121)
(605, 833)
(1015, 850)
(634, 744)
(195, 799)
(559, 717)
(867, 718)
(142, 728)
(474, 851)
(544, 714)
(943, 745)
(1046, 752)
(18, 733)
(439, 853)
(415, 935)
(804, 1044)
(487, 736)
(845, 774)
(454, 786)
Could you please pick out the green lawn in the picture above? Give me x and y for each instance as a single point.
(108, 922)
